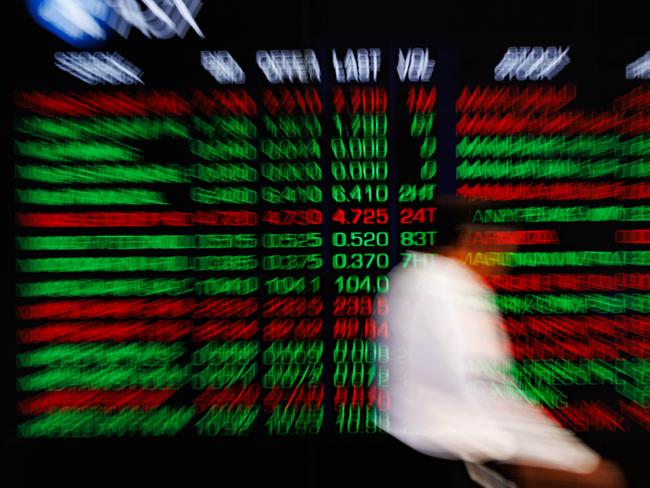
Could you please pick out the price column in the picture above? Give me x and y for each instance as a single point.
(226, 325)
(360, 251)
(292, 239)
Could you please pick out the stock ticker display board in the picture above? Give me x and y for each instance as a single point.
(203, 230)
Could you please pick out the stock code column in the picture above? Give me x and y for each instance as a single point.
(101, 288)
(567, 171)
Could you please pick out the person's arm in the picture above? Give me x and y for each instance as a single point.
(499, 475)
(606, 475)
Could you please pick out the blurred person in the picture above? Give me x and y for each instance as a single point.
(451, 389)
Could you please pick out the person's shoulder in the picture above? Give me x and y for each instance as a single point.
(456, 275)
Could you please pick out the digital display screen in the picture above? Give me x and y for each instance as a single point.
(204, 220)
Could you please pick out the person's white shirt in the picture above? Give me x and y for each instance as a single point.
(452, 395)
